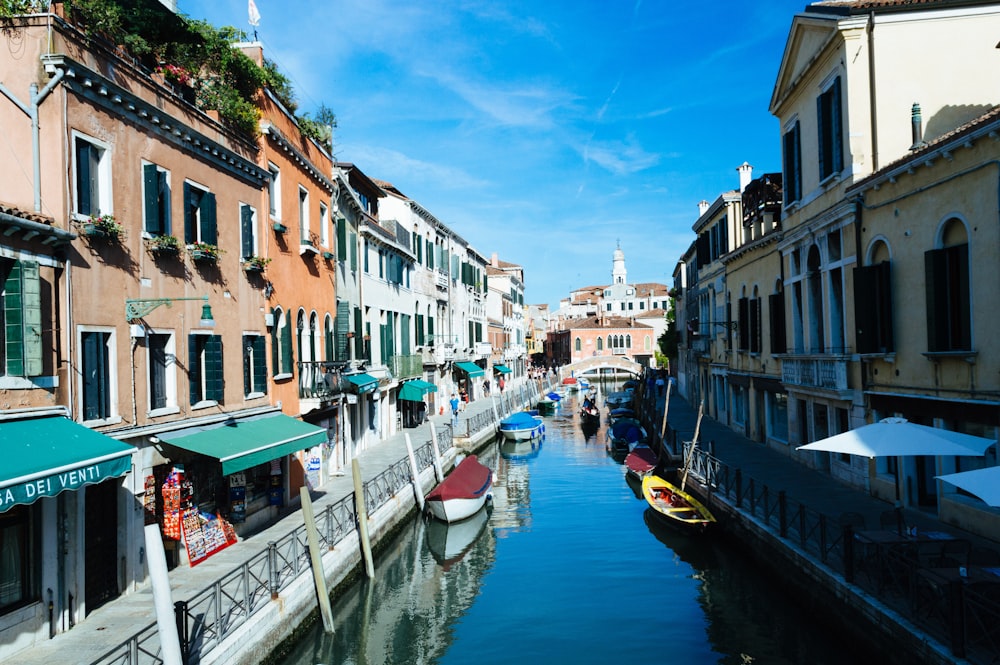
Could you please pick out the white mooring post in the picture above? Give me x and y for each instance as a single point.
(316, 559)
(418, 493)
(362, 512)
(166, 623)
(438, 471)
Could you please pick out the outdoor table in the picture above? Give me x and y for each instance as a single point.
(888, 557)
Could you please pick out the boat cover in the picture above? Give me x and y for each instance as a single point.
(520, 420)
(622, 412)
(628, 430)
(641, 460)
(469, 480)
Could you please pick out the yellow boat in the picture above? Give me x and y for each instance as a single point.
(675, 505)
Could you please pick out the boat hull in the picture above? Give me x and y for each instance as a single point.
(675, 506)
(522, 426)
(641, 462)
(456, 510)
(462, 493)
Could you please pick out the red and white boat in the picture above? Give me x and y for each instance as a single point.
(640, 462)
(462, 493)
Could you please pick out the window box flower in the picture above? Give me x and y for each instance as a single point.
(255, 263)
(165, 245)
(203, 251)
(101, 226)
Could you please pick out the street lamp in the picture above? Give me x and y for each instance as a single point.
(137, 308)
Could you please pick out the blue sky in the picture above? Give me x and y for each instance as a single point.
(546, 131)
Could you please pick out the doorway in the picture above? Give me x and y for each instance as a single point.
(101, 544)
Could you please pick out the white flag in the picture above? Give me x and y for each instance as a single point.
(254, 14)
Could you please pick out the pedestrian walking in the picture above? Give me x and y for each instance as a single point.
(454, 407)
(486, 387)
(500, 384)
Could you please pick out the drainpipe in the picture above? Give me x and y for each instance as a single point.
(873, 113)
(32, 113)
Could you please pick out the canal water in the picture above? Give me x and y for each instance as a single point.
(567, 567)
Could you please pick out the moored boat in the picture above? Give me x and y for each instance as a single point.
(547, 406)
(462, 493)
(640, 462)
(674, 505)
(618, 399)
(620, 412)
(571, 384)
(448, 543)
(624, 434)
(522, 425)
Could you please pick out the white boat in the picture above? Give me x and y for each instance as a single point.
(521, 426)
(462, 493)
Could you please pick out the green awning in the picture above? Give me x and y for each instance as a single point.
(414, 391)
(44, 456)
(242, 444)
(363, 383)
(503, 369)
(472, 369)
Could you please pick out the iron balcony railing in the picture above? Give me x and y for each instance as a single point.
(319, 380)
(408, 366)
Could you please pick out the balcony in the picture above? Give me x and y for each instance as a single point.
(319, 384)
(407, 367)
(824, 373)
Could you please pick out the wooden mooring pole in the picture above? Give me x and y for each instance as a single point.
(362, 512)
(316, 559)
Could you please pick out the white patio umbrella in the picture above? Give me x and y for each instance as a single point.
(984, 483)
(897, 437)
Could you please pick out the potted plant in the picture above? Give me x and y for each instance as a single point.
(165, 245)
(101, 226)
(203, 251)
(255, 263)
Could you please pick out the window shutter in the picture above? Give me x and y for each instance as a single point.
(962, 322)
(341, 239)
(31, 305)
(823, 135)
(837, 127)
(259, 364)
(13, 320)
(275, 339)
(84, 177)
(430, 254)
(152, 199)
(935, 286)
(755, 325)
(359, 334)
(194, 369)
(287, 359)
(342, 325)
(743, 309)
(430, 327)
(209, 232)
(246, 231)
(213, 368)
(190, 217)
(247, 365)
(383, 335)
(95, 378)
(354, 251)
(776, 312)
(866, 336)
(156, 347)
(404, 334)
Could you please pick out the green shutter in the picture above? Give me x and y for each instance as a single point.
(260, 364)
(13, 320)
(151, 198)
(209, 231)
(342, 325)
(353, 240)
(246, 231)
(31, 303)
(287, 359)
(359, 334)
(83, 178)
(419, 323)
(213, 368)
(430, 254)
(404, 334)
(191, 201)
(341, 239)
(934, 288)
(247, 365)
(194, 369)
(430, 326)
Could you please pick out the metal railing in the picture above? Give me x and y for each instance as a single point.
(210, 616)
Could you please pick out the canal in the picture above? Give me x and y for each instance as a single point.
(568, 567)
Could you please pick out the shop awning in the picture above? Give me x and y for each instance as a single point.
(502, 369)
(415, 390)
(363, 383)
(472, 369)
(44, 456)
(241, 444)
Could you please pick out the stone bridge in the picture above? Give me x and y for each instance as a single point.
(598, 363)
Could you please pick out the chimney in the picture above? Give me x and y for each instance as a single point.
(494, 260)
(746, 173)
(702, 207)
(917, 127)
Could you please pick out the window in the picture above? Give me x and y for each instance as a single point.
(304, 231)
(20, 546)
(831, 133)
(791, 159)
(161, 363)
(776, 321)
(608, 307)
(341, 239)
(205, 369)
(248, 231)
(281, 344)
(98, 393)
(600, 343)
(873, 308)
(949, 324)
(20, 319)
(324, 225)
(254, 366)
(199, 215)
(755, 325)
(93, 177)
(156, 200)
(274, 191)
(777, 415)
(342, 326)
(577, 344)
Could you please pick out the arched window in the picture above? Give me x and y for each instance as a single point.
(628, 341)
(328, 338)
(281, 342)
(577, 345)
(814, 286)
(647, 343)
(949, 297)
(600, 343)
